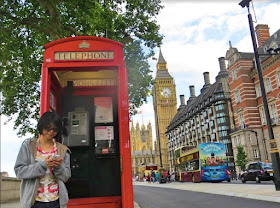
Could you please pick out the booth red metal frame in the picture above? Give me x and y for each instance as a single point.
(84, 53)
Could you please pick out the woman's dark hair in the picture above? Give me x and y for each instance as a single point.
(46, 119)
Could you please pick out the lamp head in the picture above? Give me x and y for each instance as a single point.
(245, 3)
(277, 50)
(269, 50)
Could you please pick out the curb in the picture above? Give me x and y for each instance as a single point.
(136, 205)
(242, 195)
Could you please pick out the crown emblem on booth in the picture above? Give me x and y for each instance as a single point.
(84, 44)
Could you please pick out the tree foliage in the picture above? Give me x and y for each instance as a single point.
(241, 157)
(26, 25)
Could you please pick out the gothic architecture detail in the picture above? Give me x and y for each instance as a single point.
(141, 146)
(165, 107)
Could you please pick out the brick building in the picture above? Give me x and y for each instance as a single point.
(249, 116)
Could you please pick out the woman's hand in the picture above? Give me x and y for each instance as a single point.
(57, 162)
(50, 162)
(53, 162)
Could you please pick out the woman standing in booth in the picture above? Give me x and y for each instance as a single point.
(44, 166)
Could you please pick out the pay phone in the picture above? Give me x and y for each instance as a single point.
(77, 129)
(87, 126)
(91, 126)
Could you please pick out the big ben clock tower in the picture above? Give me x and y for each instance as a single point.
(165, 107)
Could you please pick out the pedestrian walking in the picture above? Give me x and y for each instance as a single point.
(149, 178)
(165, 175)
(153, 175)
(168, 176)
(157, 176)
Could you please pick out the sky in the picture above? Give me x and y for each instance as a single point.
(196, 33)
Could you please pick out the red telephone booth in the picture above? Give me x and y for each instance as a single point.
(84, 80)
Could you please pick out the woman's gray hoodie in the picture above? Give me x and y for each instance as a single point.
(29, 170)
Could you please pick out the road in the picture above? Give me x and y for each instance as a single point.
(155, 197)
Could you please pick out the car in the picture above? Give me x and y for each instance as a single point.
(257, 171)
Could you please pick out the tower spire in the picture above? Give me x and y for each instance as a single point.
(161, 60)
(161, 64)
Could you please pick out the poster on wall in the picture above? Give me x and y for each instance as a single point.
(104, 140)
(103, 109)
(104, 133)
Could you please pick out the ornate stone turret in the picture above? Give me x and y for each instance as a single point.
(141, 146)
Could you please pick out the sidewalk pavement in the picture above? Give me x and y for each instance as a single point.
(251, 191)
(16, 204)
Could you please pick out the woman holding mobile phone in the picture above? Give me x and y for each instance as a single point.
(44, 166)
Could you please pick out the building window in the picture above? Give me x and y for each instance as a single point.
(278, 78)
(268, 85)
(263, 119)
(234, 74)
(273, 112)
(218, 115)
(214, 138)
(241, 120)
(212, 123)
(210, 111)
(223, 133)
(237, 96)
(258, 91)
(238, 142)
(205, 114)
(250, 138)
(256, 153)
(220, 106)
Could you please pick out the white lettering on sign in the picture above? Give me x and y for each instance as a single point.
(87, 55)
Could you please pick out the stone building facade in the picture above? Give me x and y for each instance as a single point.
(204, 118)
(249, 115)
(165, 107)
(142, 151)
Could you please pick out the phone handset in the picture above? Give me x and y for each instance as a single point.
(65, 129)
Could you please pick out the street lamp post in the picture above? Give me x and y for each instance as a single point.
(273, 146)
(158, 131)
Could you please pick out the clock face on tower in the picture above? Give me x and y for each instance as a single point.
(166, 92)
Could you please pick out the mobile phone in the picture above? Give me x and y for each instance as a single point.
(55, 157)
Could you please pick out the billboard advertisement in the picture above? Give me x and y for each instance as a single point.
(213, 161)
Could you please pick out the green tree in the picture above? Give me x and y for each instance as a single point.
(241, 157)
(26, 25)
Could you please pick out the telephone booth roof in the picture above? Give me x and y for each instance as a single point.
(83, 51)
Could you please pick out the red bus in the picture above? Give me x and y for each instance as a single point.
(84, 80)
(206, 162)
